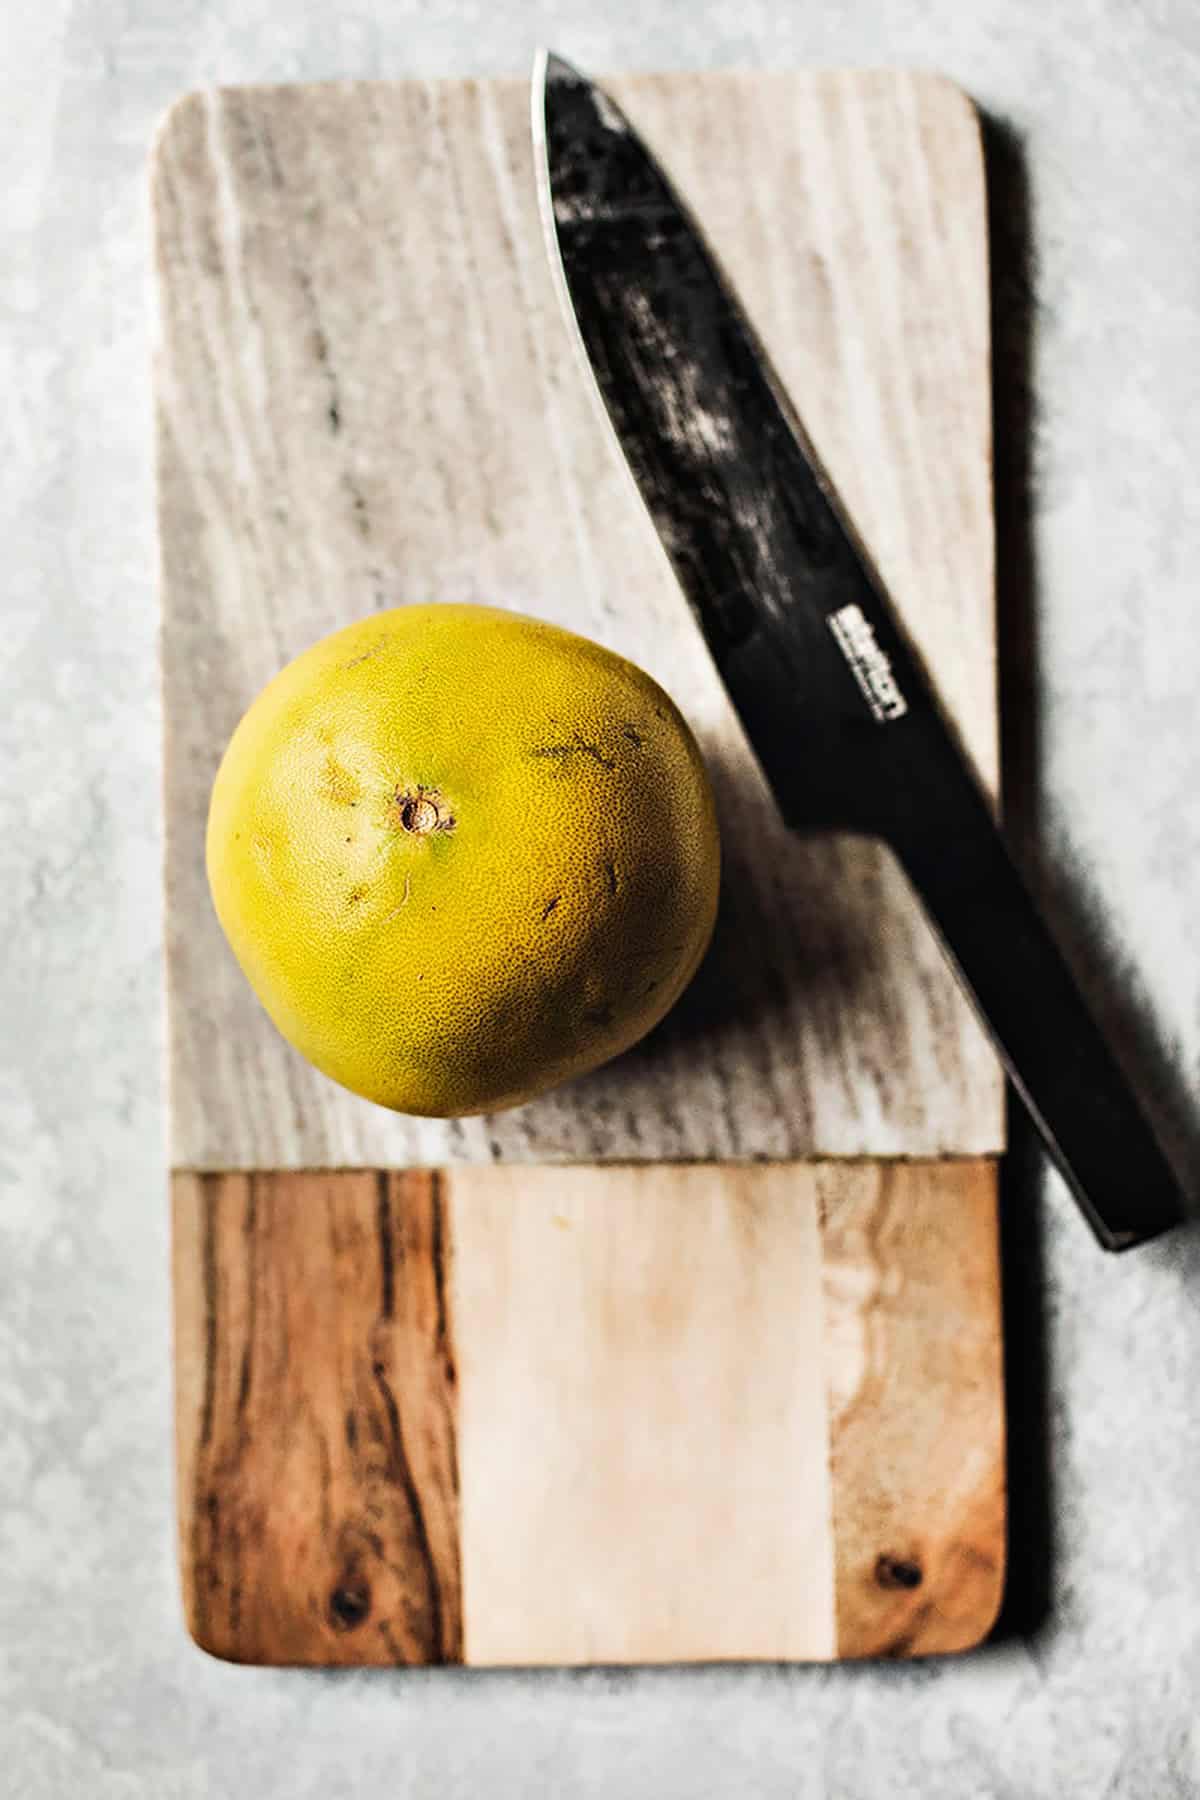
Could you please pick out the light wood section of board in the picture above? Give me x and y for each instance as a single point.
(567, 1416)
(642, 1421)
(367, 395)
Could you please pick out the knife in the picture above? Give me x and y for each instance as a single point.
(834, 700)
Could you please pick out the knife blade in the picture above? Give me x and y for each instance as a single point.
(837, 706)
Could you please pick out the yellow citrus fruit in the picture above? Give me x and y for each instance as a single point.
(462, 856)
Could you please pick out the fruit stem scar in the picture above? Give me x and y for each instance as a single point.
(418, 816)
(421, 810)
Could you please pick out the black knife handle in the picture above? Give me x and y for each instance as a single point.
(1076, 1093)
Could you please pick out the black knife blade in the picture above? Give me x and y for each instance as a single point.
(833, 698)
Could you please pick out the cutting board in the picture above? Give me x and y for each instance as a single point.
(700, 1357)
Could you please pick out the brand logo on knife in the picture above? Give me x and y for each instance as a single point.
(868, 664)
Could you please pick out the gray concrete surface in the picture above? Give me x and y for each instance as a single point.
(101, 1694)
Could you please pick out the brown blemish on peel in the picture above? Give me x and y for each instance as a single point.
(578, 746)
(338, 783)
(376, 649)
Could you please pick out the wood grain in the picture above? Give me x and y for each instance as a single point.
(913, 1353)
(642, 1426)
(367, 394)
(695, 1414)
(317, 1483)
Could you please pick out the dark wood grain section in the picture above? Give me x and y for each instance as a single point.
(315, 1389)
(913, 1354)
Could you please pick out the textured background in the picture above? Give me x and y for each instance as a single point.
(1096, 140)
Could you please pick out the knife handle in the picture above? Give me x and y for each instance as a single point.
(1055, 1055)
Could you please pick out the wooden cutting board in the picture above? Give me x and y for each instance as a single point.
(699, 1358)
